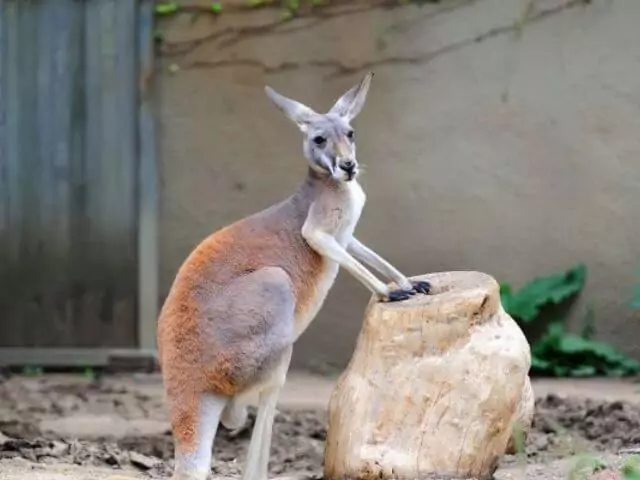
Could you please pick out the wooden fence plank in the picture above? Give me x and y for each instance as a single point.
(4, 171)
(148, 275)
(111, 140)
(31, 273)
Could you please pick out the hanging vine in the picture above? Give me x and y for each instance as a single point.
(289, 7)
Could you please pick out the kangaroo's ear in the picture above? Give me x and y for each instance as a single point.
(300, 114)
(349, 105)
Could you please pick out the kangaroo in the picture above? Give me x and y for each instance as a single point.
(248, 291)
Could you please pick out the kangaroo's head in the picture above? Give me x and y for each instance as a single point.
(329, 140)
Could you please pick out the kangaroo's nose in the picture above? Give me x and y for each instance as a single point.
(348, 165)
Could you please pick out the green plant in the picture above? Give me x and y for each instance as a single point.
(289, 7)
(558, 352)
(166, 8)
(525, 305)
(631, 468)
(585, 466)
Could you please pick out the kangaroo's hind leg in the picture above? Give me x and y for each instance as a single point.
(193, 457)
(251, 350)
(257, 464)
(215, 348)
(194, 411)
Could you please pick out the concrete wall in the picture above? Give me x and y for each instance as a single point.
(511, 151)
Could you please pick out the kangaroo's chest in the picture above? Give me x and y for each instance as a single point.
(344, 210)
(347, 211)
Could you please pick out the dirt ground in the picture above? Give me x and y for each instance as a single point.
(62, 427)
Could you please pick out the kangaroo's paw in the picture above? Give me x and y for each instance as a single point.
(422, 287)
(398, 295)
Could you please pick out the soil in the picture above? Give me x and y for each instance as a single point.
(107, 425)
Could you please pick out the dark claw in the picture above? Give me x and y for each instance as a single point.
(422, 287)
(398, 295)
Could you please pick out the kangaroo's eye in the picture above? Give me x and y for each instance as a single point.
(350, 134)
(319, 140)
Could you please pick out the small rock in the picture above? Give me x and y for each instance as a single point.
(625, 451)
(57, 449)
(9, 454)
(29, 455)
(541, 443)
(16, 445)
(142, 461)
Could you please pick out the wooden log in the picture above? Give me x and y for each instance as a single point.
(435, 387)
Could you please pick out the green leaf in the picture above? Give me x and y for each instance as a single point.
(216, 7)
(572, 344)
(550, 341)
(631, 468)
(166, 8)
(541, 291)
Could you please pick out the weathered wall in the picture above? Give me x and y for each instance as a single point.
(514, 156)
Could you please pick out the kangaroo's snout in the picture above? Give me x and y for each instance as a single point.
(347, 165)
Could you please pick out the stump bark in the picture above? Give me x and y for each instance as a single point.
(435, 388)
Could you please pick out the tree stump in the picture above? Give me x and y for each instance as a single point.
(435, 388)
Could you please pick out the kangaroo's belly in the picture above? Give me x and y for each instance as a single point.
(325, 281)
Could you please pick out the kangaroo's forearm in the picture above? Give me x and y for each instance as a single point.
(328, 247)
(375, 261)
